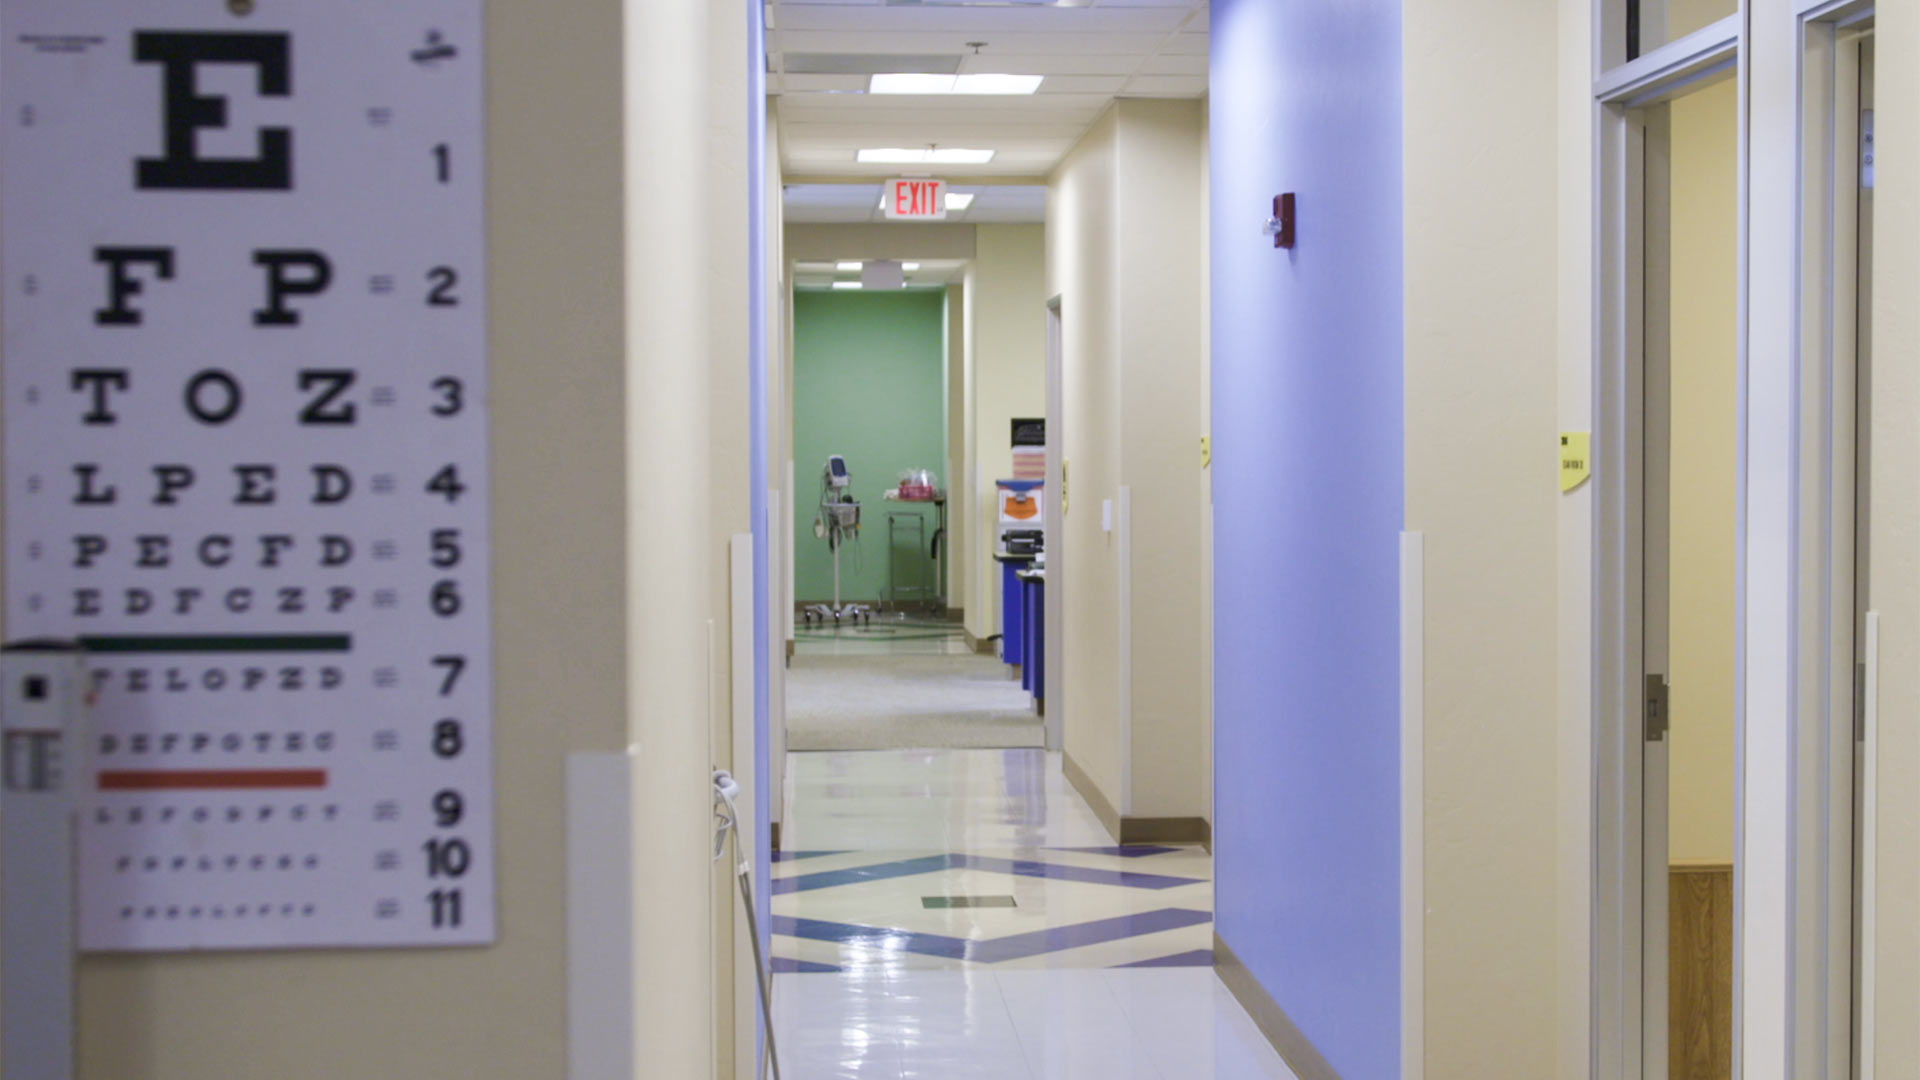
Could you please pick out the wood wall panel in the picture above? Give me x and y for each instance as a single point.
(1700, 972)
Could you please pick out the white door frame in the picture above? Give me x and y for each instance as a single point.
(1623, 1046)
(1826, 39)
(1795, 730)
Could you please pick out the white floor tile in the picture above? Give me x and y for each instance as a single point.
(1148, 1024)
(1064, 1015)
(950, 800)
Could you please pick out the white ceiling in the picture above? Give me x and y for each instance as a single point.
(854, 204)
(1090, 53)
(930, 273)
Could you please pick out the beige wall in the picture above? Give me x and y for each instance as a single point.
(1480, 206)
(729, 473)
(1082, 269)
(1162, 326)
(563, 582)
(956, 546)
(557, 351)
(1895, 514)
(1705, 396)
(814, 243)
(1008, 352)
(1124, 255)
(973, 589)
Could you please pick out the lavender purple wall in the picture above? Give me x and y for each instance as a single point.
(1308, 503)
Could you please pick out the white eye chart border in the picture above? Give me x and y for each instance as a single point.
(244, 371)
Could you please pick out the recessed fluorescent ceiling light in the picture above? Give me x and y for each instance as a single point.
(846, 284)
(909, 266)
(896, 155)
(850, 264)
(904, 83)
(912, 83)
(959, 200)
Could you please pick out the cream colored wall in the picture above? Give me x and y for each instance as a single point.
(1573, 763)
(557, 348)
(1009, 354)
(686, 356)
(979, 617)
(1082, 269)
(1124, 255)
(1162, 357)
(813, 243)
(1686, 16)
(563, 580)
(1481, 207)
(957, 544)
(1705, 396)
(729, 466)
(1895, 525)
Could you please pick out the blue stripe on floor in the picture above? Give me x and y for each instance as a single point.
(928, 864)
(1123, 851)
(787, 966)
(1088, 875)
(994, 950)
(1080, 935)
(828, 879)
(873, 937)
(789, 856)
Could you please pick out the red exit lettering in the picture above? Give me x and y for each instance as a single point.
(917, 198)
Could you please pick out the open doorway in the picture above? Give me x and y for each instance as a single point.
(881, 657)
(950, 831)
(1679, 171)
(1692, 398)
(918, 423)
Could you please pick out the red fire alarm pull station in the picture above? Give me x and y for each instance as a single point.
(1280, 225)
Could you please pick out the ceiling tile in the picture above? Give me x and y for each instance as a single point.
(1175, 64)
(997, 21)
(1089, 53)
(1166, 86)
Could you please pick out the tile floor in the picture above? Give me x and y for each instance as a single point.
(934, 800)
(1100, 968)
(1139, 1024)
(886, 634)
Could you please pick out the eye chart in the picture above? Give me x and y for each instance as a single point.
(241, 281)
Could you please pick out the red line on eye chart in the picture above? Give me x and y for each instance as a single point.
(212, 779)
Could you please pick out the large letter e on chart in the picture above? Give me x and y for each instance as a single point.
(186, 111)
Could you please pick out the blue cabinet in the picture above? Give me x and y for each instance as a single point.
(1012, 608)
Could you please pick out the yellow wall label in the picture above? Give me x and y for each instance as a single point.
(1576, 458)
(1206, 451)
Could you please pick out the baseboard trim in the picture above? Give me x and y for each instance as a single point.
(1294, 1047)
(1090, 791)
(1135, 830)
(982, 645)
(1166, 830)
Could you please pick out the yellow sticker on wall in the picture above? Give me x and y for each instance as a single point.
(1576, 458)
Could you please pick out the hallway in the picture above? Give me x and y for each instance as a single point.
(960, 913)
(899, 684)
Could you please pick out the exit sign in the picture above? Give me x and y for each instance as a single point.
(915, 200)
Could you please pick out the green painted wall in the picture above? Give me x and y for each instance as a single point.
(869, 384)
